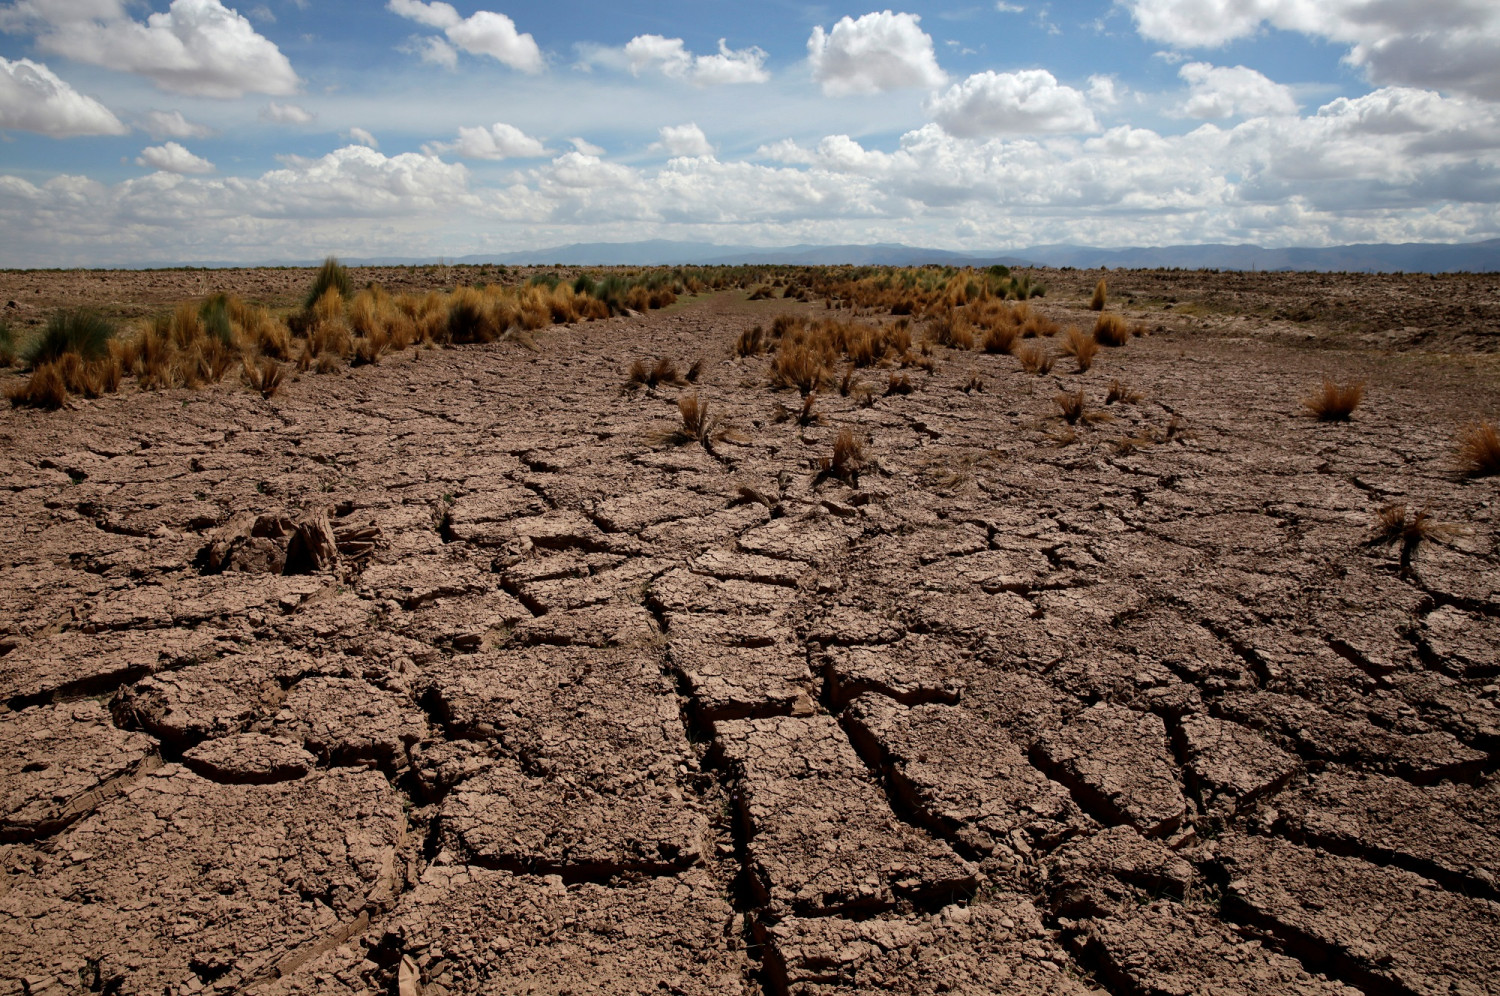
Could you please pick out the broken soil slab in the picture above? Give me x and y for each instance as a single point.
(505, 818)
(182, 708)
(1448, 832)
(667, 934)
(1119, 764)
(1230, 764)
(682, 590)
(822, 838)
(350, 721)
(962, 776)
(996, 946)
(1382, 927)
(728, 682)
(72, 664)
(187, 878)
(1165, 950)
(912, 670)
(1111, 872)
(249, 759)
(57, 763)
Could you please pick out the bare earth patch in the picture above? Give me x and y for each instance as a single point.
(462, 673)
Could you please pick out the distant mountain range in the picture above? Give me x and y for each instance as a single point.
(1411, 257)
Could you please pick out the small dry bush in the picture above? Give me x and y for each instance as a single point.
(697, 424)
(951, 329)
(1479, 449)
(44, 389)
(1126, 445)
(1037, 324)
(1100, 298)
(1034, 359)
(805, 415)
(752, 342)
(664, 372)
(1334, 402)
(264, 375)
(848, 458)
(899, 384)
(1081, 347)
(975, 384)
(784, 324)
(1119, 392)
(1075, 409)
(1001, 338)
(801, 365)
(1111, 330)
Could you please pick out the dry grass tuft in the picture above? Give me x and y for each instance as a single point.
(1081, 347)
(1111, 330)
(752, 342)
(697, 424)
(1074, 408)
(848, 458)
(899, 384)
(1334, 402)
(975, 383)
(1395, 524)
(1126, 445)
(1479, 449)
(1001, 338)
(1119, 392)
(1100, 298)
(664, 372)
(784, 325)
(44, 389)
(801, 365)
(1034, 359)
(264, 376)
(693, 371)
(951, 329)
(804, 415)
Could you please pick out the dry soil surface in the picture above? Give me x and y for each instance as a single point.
(455, 674)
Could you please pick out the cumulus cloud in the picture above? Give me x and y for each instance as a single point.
(498, 141)
(1027, 102)
(1232, 91)
(1448, 46)
(683, 140)
(878, 52)
(195, 47)
(173, 158)
(34, 98)
(586, 147)
(172, 124)
(286, 114)
(671, 58)
(362, 137)
(484, 32)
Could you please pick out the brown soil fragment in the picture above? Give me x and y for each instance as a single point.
(58, 763)
(912, 670)
(177, 882)
(470, 931)
(249, 759)
(350, 721)
(1119, 764)
(1165, 950)
(996, 946)
(1448, 832)
(1380, 926)
(1110, 872)
(1231, 765)
(822, 838)
(964, 778)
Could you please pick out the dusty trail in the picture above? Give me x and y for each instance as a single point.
(1015, 714)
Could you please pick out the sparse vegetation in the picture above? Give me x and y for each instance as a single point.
(1111, 330)
(1334, 402)
(1081, 347)
(1034, 359)
(1101, 296)
(331, 276)
(664, 372)
(752, 342)
(1075, 409)
(848, 458)
(7, 345)
(1395, 524)
(1121, 393)
(1479, 449)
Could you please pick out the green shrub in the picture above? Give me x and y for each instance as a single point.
(214, 314)
(85, 334)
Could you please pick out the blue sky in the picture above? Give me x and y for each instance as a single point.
(182, 130)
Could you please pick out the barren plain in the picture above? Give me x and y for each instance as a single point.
(1143, 704)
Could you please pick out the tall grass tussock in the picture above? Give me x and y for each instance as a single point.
(1479, 449)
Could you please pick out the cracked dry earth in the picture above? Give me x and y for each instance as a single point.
(451, 676)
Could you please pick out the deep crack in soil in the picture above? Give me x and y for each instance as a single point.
(554, 699)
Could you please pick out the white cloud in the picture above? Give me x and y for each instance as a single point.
(1448, 45)
(499, 141)
(1027, 102)
(195, 47)
(33, 98)
(436, 51)
(683, 140)
(1008, 8)
(485, 32)
(362, 137)
(172, 124)
(286, 114)
(671, 58)
(1232, 91)
(1102, 90)
(173, 158)
(586, 147)
(878, 52)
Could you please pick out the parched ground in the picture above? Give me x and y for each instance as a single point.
(572, 710)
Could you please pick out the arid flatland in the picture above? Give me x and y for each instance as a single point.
(472, 670)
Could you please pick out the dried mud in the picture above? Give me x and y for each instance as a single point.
(1027, 710)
